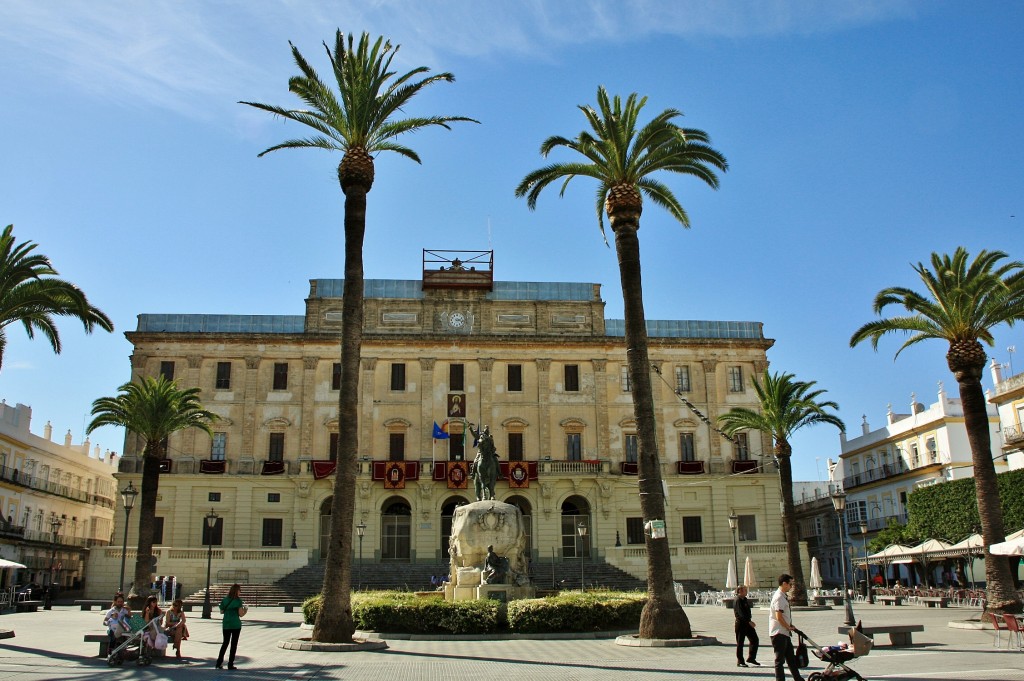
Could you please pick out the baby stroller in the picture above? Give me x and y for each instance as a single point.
(837, 656)
(136, 644)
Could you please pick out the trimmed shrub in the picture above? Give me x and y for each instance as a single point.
(567, 612)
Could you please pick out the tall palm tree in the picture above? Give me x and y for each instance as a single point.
(151, 409)
(964, 300)
(362, 120)
(786, 406)
(31, 294)
(622, 159)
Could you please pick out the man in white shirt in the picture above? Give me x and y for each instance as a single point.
(780, 630)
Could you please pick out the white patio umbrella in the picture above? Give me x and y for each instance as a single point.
(730, 577)
(749, 576)
(1010, 547)
(815, 574)
(4, 563)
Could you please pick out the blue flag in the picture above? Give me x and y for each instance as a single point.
(439, 433)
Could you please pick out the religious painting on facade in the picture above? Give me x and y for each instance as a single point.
(457, 405)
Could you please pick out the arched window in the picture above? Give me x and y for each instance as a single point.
(575, 510)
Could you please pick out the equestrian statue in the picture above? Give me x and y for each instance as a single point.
(485, 465)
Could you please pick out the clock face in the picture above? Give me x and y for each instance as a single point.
(456, 320)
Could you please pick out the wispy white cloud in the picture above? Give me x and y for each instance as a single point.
(191, 56)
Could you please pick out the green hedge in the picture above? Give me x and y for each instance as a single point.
(950, 511)
(403, 612)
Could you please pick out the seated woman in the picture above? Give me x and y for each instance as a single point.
(152, 615)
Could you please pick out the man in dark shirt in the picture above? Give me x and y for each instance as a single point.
(744, 628)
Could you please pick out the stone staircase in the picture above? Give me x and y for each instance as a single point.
(308, 580)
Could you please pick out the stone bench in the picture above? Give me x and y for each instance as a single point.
(934, 601)
(27, 606)
(289, 606)
(98, 638)
(900, 635)
(825, 600)
(87, 605)
(890, 600)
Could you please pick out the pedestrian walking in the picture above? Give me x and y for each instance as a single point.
(745, 628)
(234, 610)
(780, 630)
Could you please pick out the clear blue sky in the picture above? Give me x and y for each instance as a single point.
(861, 136)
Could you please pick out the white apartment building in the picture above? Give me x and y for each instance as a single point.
(1007, 396)
(47, 486)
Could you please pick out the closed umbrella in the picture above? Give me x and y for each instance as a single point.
(749, 576)
(815, 574)
(730, 577)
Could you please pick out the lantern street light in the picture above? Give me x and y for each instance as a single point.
(55, 524)
(128, 496)
(582, 530)
(867, 566)
(839, 502)
(211, 522)
(360, 531)
(734, 521)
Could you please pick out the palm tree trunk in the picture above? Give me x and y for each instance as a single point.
(999, 582)
(149, 487)
(662, 615)
(334, 624)
(798, 594)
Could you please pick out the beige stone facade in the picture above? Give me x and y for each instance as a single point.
(536, 361)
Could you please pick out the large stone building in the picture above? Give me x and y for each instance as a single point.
(56, 502)
(536, 361)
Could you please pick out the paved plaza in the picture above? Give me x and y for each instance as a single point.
(48, 645)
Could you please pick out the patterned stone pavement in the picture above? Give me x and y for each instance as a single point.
(49, 646)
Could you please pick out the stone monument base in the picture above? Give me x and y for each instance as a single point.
(498, 592)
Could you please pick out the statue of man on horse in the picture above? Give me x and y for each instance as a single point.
(485, 465)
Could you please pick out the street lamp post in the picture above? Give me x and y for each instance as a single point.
(839, 502)
(55, 524)
(582, 530)
(867, 566)
(733, 524)
(128, 496)
(360, 531)
(211, 522)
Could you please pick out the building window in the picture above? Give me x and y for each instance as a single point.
(741, 447)
(214, 496)
(574, 446)
(572, 378)
(456, 442)
(631, 448)
(515, 378)
(158, 531)
(396, 446)
(275, 452)
(683, 379)
(280, 376)
(167, 370)
(635, 531)
(515, 446)
(686, 449)
(273, 528)
(336, 376)
(274, 497)
(747, 528)
(332, 446)
(223, 376)
(692, 531)
(398, 376)
(735, 379)
(219, 446)
(624, 378)
(457, 377)
(212, 536)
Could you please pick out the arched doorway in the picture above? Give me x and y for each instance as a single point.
(524, 506)
(447, 512)
(396, 531)
(575, 510)
(325, 527)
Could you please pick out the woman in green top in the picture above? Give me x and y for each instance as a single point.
(233, 608)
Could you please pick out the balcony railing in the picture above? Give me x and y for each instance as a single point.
(1013, 435)
(17, 477)
(887, 470)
